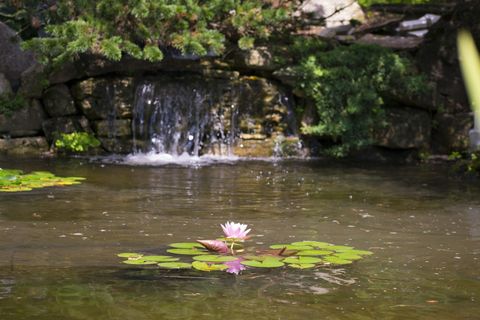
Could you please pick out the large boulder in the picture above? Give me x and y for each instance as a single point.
(451, 132)
(335, 12)
(117, 145)
(5, 87)
(33, 81)
(113, 128)
(58, 101)
(263, 107)
(406, 128)
(27, 147)
(259, 58)
(105, 98)
(70, 70)
(13, 61)
(24, 122)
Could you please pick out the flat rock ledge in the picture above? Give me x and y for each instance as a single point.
(25, 147)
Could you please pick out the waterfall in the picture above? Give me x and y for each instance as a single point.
(180, 118)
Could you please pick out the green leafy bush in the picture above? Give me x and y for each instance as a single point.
(347, 85)
(466, 162)
(473, 163)
(77, 141)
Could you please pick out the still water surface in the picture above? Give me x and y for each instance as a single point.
(58, 245)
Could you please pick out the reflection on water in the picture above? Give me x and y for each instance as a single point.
(58, 245)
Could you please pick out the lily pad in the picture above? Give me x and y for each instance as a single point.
(175, 265)
(339, 248)
(204, 266)
(262, 257)
(347, 256)
(336, 260)
(315, 244)
(360, 252)
(139, 262)
(267, 263)
(301, 260)
(214, 258)
(301, 265)
(10, 172)
(129, 255)
(15, 189)
(188, 252)
(160, 258)
(290, 247)
(185, 245)
(314, 253)
(16, 181)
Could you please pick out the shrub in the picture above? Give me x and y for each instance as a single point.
(347, 85)
(77, 141)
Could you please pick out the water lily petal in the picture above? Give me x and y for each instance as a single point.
(235, 230)
(214, 245)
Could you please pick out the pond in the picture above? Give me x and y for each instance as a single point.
(59, 244)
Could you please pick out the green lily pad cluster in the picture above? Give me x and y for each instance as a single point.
(297, 255)
(17, 181)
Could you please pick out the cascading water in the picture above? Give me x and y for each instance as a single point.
(173, 119)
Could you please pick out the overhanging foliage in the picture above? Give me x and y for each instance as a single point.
(145, 29)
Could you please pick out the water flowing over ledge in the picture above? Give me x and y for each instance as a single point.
(179, 118)
(193, 120)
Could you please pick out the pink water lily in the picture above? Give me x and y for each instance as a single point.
(235, 230)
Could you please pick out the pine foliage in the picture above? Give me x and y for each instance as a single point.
(145, 29)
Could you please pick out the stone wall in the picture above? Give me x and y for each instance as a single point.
(266, 124)
(262, 109)
(103, 106)
(97, 96)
